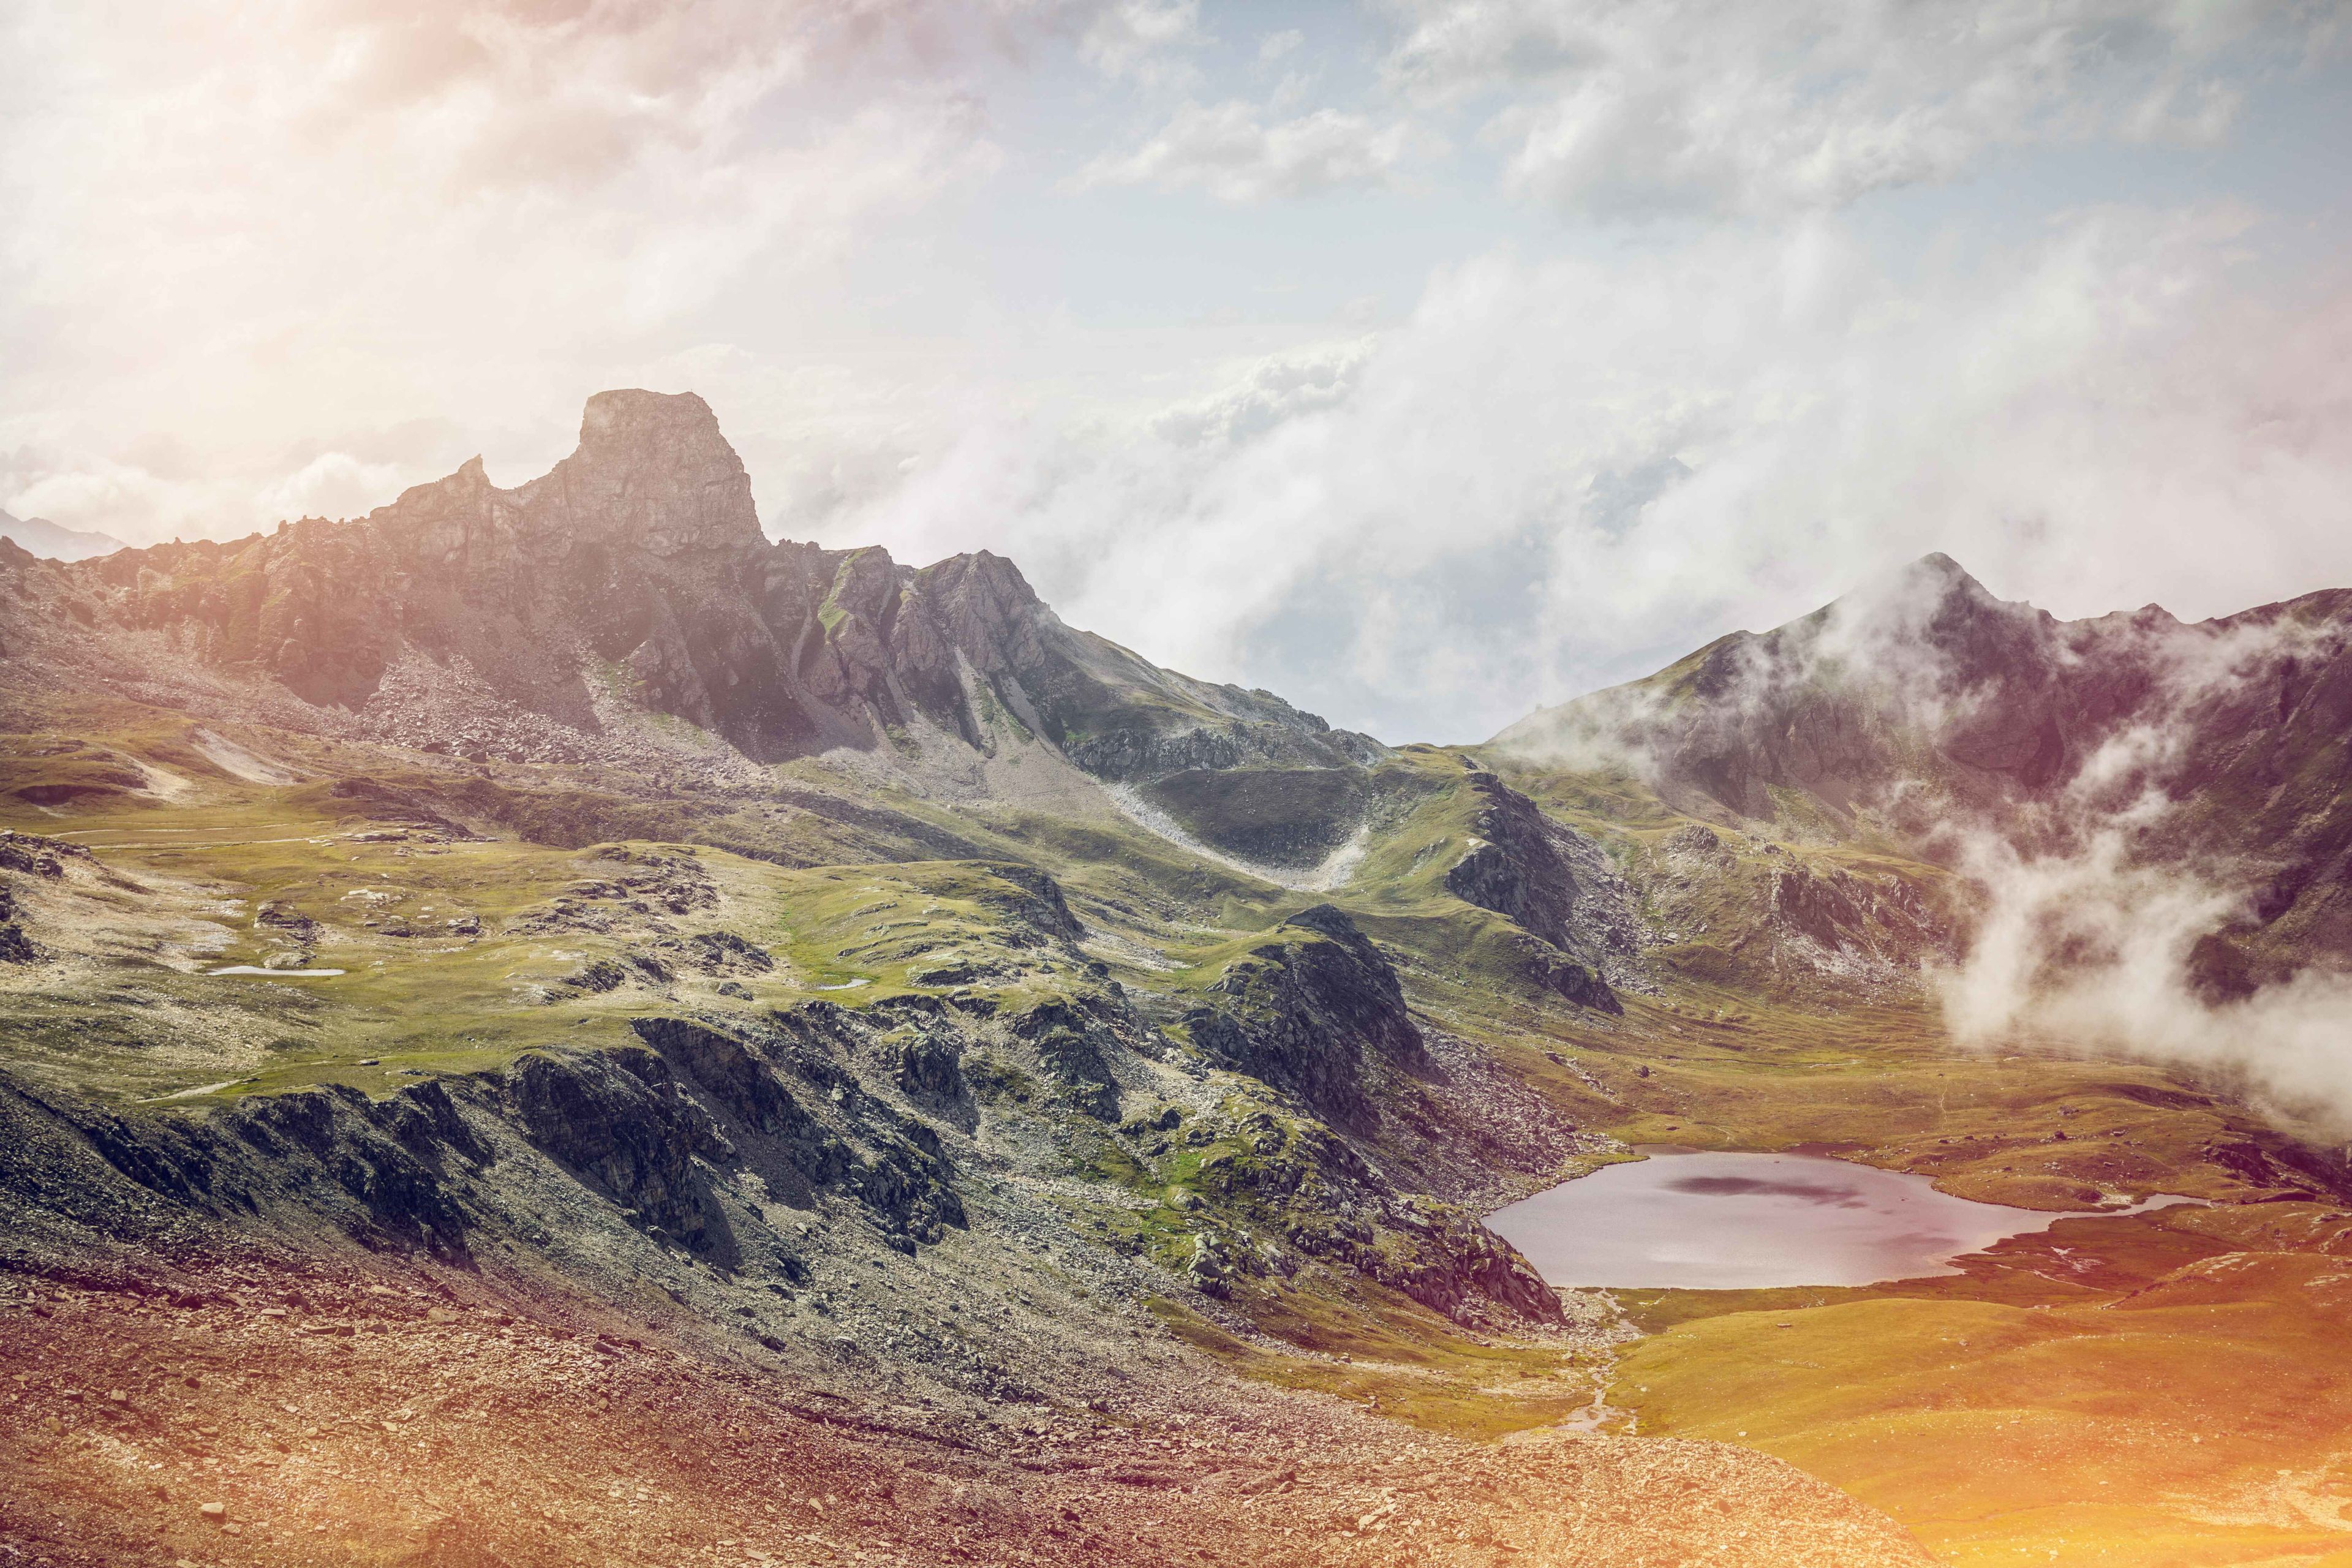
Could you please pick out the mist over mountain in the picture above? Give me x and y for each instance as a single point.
(1924, 706)
(2151, 812)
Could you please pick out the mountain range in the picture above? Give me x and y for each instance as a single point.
(39, 536)
(561, 929)
(637, 568)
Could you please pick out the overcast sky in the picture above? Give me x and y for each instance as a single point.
(1420, 360)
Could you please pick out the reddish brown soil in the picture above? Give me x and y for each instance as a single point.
(377, 1434)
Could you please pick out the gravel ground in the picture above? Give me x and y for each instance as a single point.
(377, 1428)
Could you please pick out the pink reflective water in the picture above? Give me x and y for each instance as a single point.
(1713, 1221)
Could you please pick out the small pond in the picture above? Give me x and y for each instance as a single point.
(1703, 1220)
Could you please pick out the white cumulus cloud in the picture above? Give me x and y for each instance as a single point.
(1142, 39)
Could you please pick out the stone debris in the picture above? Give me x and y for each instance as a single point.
(461, 1438)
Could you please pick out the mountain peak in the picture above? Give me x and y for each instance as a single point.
(655, 467)
(1934, 578)
(631, 414)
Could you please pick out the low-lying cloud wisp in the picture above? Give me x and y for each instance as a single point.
(2115, 941)
(2095, 950)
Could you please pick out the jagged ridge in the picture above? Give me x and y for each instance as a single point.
(636, 569)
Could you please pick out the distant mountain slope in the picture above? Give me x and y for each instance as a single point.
(633, 578)
(1927, 707)
(39, 536)
(1925, 676)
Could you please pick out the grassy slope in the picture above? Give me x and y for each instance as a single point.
(2168, 1389)
(2065, 1419)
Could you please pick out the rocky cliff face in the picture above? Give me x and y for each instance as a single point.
(634, 575)
(1552, 883)
(1303, 1012)
(1516, 867)
(663, 1135)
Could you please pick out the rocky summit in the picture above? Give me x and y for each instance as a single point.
(631, 581)
(540, 1025)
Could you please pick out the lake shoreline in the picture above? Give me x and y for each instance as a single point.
(1694, 1219)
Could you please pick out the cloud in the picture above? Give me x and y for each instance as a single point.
(1651, 105)
(1274, 45)
(333, 484)
(2091, 951)
(1136, 38)
(156, 502)
(1236, 153)
(2095, 944)
(123, 495)
(1271, 393)
(1563, 473)
(270, 222)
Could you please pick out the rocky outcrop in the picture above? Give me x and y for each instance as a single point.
(1456, 1266)
(36, 857)
(1525, 867)
(1073, 1044)
(1034, 901)
(1516, 867)
(930, 1072)
(1546, 966)
(1884, 918)
(390, 1174)
(492, 623)
(44, 859)
(1700, 846)
(1300, 1188)
(748, 1072)
(1821, 908)
(741, 1081)
(1307, 1011)
(619, 1121)
(655, 1130)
